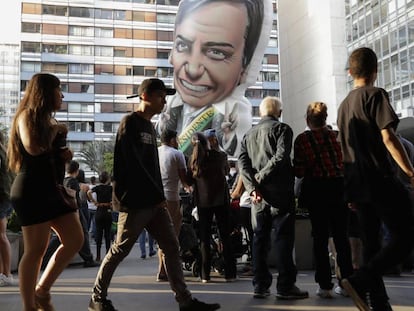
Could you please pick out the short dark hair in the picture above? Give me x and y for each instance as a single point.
(104, 177)
(72, 167)
(167, 135)
(363, 63)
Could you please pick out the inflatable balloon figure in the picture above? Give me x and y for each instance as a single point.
(217, 53)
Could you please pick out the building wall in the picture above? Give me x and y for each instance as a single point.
(9, 82)
(312, 57)
(386, 26)
(102, 50)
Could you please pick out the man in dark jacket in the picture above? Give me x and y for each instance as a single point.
(266, 169)
(139, 196)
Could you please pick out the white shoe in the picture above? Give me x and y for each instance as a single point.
(341, 291)
(6, 280)
(324, 293)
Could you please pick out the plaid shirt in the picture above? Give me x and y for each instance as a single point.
(317, 154)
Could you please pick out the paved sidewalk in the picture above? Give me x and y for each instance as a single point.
(134, 288)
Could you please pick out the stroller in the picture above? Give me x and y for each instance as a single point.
(189, 245)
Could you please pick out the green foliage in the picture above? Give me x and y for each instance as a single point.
(13, 223)
(109, 162)
(93, 154)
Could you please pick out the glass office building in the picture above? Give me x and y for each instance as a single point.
(387, 26)
(101, 51)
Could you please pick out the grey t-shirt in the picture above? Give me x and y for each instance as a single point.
(171, 162)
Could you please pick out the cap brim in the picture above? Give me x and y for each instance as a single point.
(169, 91)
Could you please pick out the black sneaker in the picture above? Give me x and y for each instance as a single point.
(261, 293)
(293, 293)
(196, 305)
(359, 296)
(101, 305)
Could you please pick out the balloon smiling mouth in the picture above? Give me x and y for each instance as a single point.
(201, 89)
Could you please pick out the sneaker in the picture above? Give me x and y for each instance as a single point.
(6, 280)
(293, 293)
(196, 305)
(143, 256)
(261, 293)
(162, 278)
(324, 293)
(341, 291)
(101, 305)
(153, 253)
(358, 295)
(204, 281)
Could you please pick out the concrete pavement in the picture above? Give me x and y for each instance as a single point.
(134, 288)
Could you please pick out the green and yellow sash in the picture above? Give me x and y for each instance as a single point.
(198, 124)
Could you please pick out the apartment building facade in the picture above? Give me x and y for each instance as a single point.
(9, 83)
(386, 26)
(102, 50)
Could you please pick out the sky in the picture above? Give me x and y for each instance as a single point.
(10, 22)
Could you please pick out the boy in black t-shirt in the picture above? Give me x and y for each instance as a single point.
(367, 125)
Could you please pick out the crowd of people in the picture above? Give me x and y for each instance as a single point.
(342, 173)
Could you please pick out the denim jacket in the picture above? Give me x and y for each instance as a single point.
(265, 163)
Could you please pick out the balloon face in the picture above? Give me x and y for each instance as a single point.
(208, 53)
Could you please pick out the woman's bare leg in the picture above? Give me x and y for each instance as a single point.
(36, 240)
(69, 231)
(5, 251)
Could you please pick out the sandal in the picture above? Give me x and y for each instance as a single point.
(44, 303)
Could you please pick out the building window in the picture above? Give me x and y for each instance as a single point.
(138, 70)
(123, 33)
(80, 107)
(81, 12)
(55, 10)
(120, 15)
(55, 48)
(104, 88)
(102, 69)
(54, 29)
(31, 27)
(81, 31)
(80, 126)
(31, 8)
(104, 51)
(104, 32)
(81, 68)
(30, 67)
(31, 47)
(86, 50)
(165, 18)
(164, 54)
(55, 68)
(103, 14)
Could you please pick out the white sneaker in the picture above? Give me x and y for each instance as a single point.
(6, 280)
(341, 291)
(324, 293)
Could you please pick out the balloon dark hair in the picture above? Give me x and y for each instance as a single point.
(255, 15)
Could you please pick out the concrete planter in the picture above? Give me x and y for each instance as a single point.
(16, 244)
(303, 251)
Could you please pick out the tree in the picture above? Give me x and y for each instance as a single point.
(94, 154)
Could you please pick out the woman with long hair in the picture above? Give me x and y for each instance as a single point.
(208, 170)
(37, 152)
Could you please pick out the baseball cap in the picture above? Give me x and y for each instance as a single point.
(150, 85)
(210, 133)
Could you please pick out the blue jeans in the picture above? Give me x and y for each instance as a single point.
(142, 239)
(263, 221)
